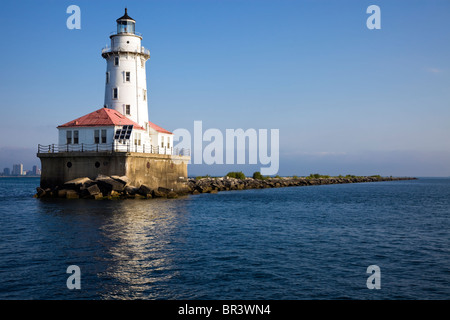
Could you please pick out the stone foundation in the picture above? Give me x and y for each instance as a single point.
(152, 170)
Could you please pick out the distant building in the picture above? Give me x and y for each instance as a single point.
(36, 171)
(6, 172)
(17, 169)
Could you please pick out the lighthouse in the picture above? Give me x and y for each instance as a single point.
(117, 139)
(125, 79)
(123, 121)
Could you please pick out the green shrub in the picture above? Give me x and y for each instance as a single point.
(237, 175)
(318, 176)
(258, 175)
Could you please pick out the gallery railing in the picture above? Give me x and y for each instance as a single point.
(111, 147)
(142, 50)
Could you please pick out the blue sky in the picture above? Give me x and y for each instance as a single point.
(346, 99)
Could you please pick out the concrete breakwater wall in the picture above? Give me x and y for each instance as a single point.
(115, 187)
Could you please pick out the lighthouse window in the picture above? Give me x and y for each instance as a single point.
(116, 60)
(127, 110)
(145, 94)
(69, 137)
(107, 77)
(127, 76)
(75, 137)
(115, 93)
(96, 136)
(103, 136)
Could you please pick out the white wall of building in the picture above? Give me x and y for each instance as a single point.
(162, 140)
(87, 135)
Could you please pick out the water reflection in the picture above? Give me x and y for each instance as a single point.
(127, 248)
(142, 239)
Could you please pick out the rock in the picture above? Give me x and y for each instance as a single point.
(77, 181)
(115, 194)
(108, 184)
(203, 189)
(76, 184)
(214, 191)
(121, 179)
(72, 194)
(98, 196)
(172, 195)
(62, 193)
(164, 190)
(144, 190)
(40, 192)
(130, 190)
(195, 192)
(93, 190)
(158, 194)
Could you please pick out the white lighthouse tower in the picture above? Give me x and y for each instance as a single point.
(125, 83)
(117, 139)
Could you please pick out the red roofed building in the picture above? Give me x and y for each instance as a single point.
(106, 128)
(101, 117)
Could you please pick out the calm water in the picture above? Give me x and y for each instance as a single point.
(291, 243)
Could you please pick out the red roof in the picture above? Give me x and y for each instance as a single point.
(158, 128)
(101, 118)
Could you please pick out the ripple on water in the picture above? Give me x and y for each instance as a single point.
(287, 243)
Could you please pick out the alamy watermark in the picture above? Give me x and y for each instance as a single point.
(74, 280)
(74, 20)
(374, 21)
(235, 146)
(374, 280)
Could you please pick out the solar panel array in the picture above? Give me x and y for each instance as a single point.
(124, 133)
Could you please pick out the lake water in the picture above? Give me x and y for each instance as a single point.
(312, 242)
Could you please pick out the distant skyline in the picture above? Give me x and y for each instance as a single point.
(346, 99)
(18, 169)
